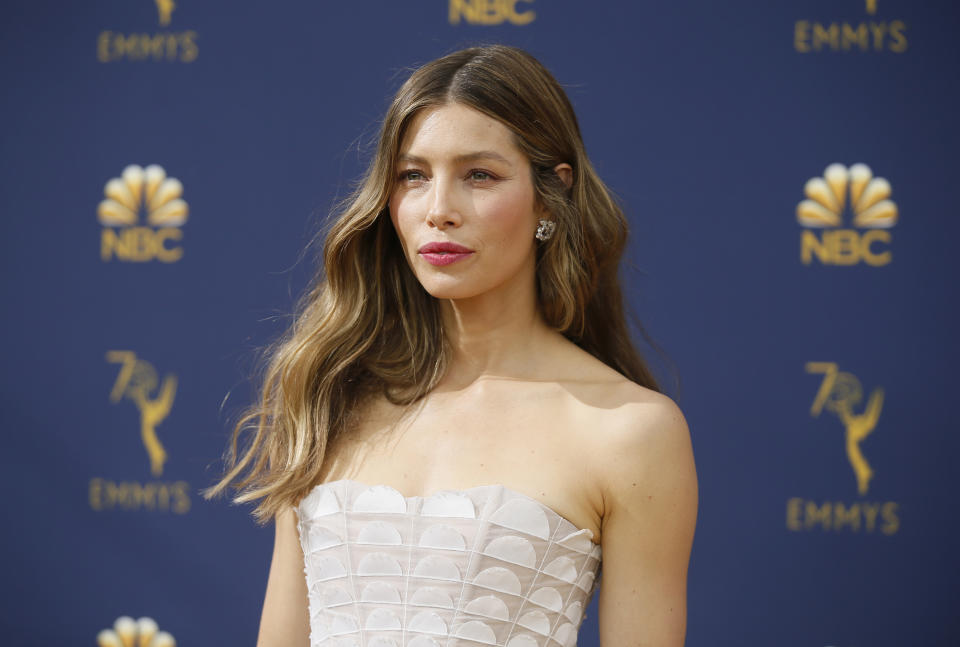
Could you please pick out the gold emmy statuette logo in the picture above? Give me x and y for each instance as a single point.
(171, 46)
(490, 12)
(138, 382)
(164, 11)
(128, 632)
(135, 381)
(142, 189)
(823, 211)
(872, 35)
(841, 394)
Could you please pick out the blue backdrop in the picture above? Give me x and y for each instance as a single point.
(164, 165)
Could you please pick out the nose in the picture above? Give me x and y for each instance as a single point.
(443, 210)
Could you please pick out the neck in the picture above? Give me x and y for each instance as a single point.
(493, 335)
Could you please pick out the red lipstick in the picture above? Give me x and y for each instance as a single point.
(444, 253)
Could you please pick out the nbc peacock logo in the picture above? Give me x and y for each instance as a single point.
(127, 632)
(142, 192)
(824, 238)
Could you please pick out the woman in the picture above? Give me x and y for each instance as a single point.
(458, 408)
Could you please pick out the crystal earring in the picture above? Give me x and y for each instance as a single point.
(545, 229)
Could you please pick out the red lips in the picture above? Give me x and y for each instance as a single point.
(440, 248)
(444, 253)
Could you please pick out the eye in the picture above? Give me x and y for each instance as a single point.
(479, 175)
(411, 175)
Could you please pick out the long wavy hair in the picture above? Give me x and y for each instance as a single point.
(366, 326)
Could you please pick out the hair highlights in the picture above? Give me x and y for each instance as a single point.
(367, 326)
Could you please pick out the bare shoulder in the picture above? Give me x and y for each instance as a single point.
(625, 408)
(638, 439)
(650, 512)
(642, 463)
(647, 453)
(644, 440)
(645, 422)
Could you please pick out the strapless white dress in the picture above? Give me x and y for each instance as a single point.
(482, 566)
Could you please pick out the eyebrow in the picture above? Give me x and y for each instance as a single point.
(465, 157)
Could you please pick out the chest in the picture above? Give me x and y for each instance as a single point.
(534, 441)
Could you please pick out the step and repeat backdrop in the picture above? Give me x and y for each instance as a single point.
(789, 170)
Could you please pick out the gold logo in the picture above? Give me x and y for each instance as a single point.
(824, 207)
(128, 632)
(171, 46)
(135, 381)
(142, 189)
(138, 382)
(164, 11)
(490, 12)
(811, 36)
(841, 394)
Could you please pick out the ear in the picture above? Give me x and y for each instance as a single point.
(565, 171)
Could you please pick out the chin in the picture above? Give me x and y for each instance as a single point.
(448, 289)
(448, 292)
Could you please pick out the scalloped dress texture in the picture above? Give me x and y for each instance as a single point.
(465, 568)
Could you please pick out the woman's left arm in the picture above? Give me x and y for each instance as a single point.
(650, 510)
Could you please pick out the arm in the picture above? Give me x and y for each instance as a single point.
(285, 620)
(650, 510)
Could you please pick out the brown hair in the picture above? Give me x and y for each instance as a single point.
(367, 326)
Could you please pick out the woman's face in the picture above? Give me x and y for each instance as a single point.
(463, 204)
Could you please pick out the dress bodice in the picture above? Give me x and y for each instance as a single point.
(482, 566)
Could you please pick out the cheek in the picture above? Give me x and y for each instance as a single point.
(397, 214)
(509, 215)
